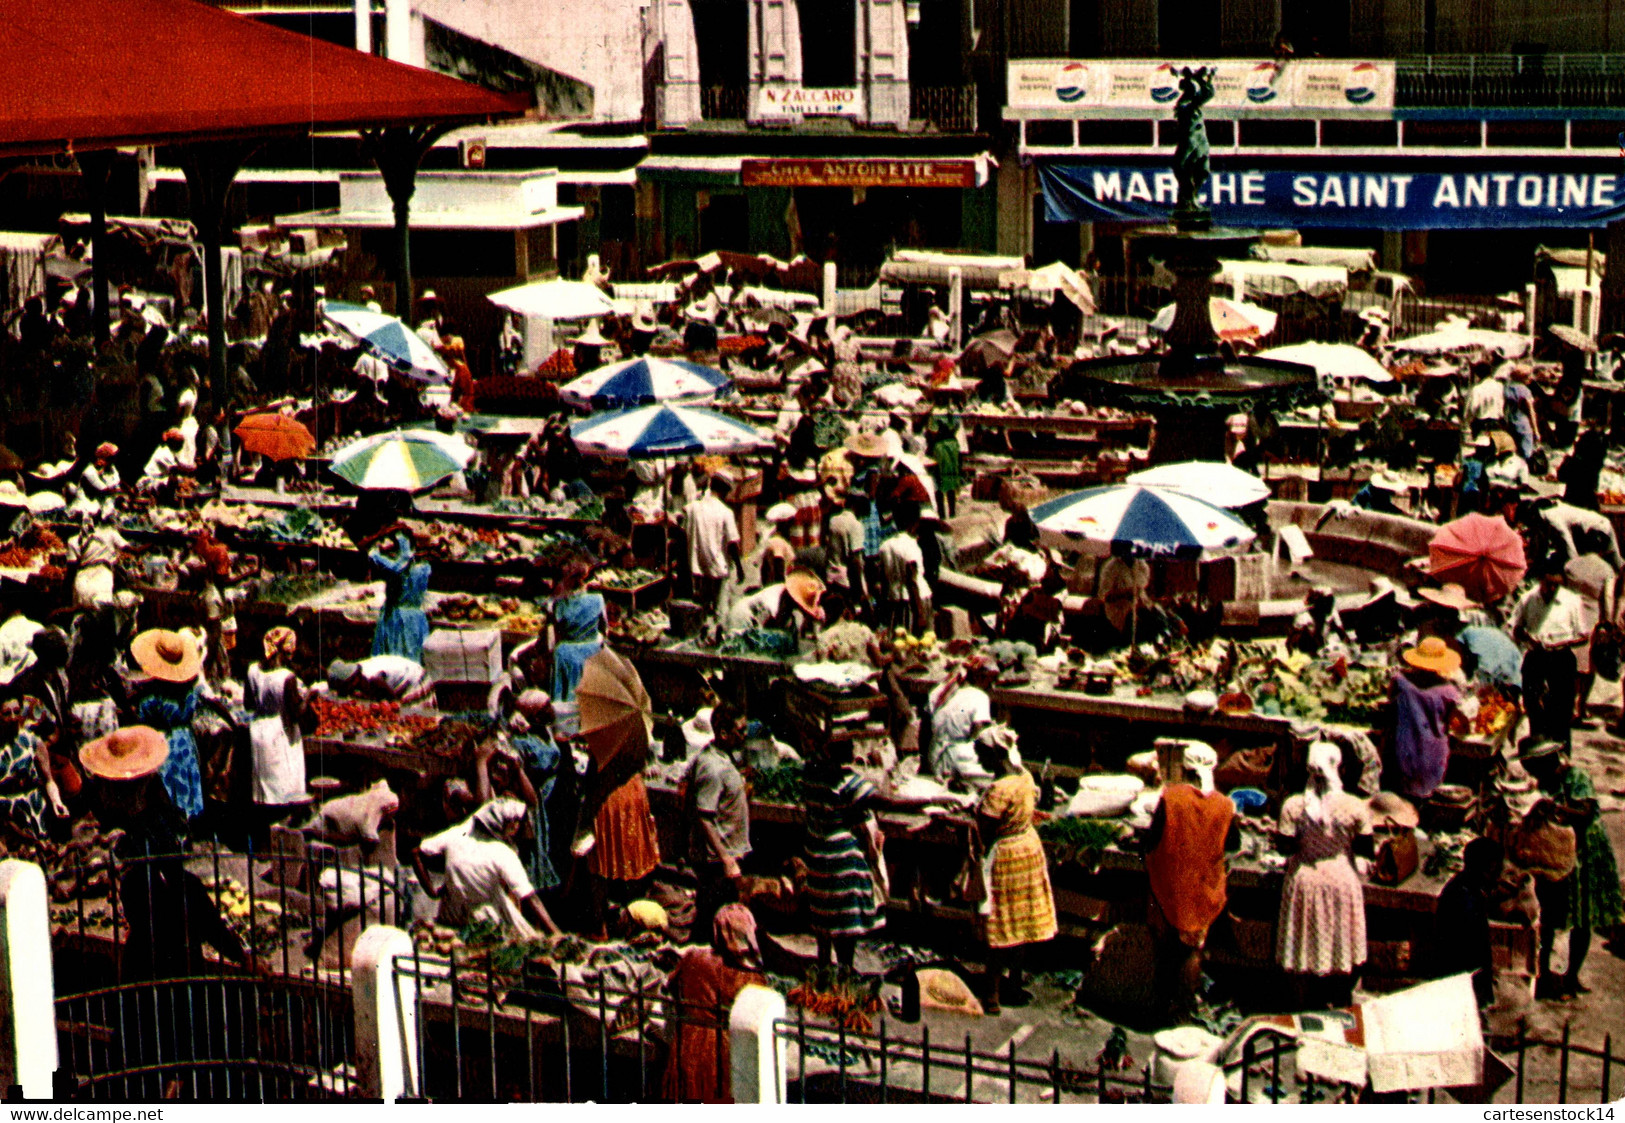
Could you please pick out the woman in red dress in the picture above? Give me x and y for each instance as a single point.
(707, 980)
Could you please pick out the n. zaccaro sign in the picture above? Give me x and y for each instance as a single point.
(797, 101)
(1424, 198)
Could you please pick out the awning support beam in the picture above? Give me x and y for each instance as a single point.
(397, 151)
(96, 169)
(210, 168)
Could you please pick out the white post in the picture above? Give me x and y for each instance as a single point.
(27, 989)
(363, 26)
(1529, 310)
(829, 288)
(386, 1011)
(956, 307)
(398, 30)
(756, 1054)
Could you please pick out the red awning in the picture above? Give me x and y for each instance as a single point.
(102, 73)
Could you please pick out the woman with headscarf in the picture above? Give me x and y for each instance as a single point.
(530, 741)
(708, 980)
(402, 626)
(486, 881)
(1320, 935)
(1021, 902)
(99, 483)
(274, 698)
(579, 624)
(27, 788)
(168, 702)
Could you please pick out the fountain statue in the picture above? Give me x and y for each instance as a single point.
(1192, 384)
(1191, 151)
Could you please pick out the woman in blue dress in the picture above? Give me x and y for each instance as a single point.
(402, 626)
(579, 624)
(168, 702)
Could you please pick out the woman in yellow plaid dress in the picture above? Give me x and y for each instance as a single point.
(1020, 909)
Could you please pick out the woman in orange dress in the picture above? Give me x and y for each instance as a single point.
(703, 988)
(1021, 904)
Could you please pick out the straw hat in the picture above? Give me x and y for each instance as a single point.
(872, 445)
(11, 495)
(1387, 481)
(780, 513)
(805, 589)
(697, 730)
(1503, 442)
(1391, 810)
(1449, 595)
(125, 754)
(648, 915)
(167, 656)
(1433, 654)
(1539, 749)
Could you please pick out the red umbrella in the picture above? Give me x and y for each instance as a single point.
(275, 436)
(1482, 554)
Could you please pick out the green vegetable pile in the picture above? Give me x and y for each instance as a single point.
(829, 430)
(774, 643)
(291, 588)
(779, 784)
(1073, 834)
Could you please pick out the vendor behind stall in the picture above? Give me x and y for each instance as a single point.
(387, 678)
(791, 605)
(960, 709)
(1423, 701)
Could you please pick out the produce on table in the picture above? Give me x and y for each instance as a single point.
(337, 717)
(771, 642)
(1070, 835)
(624, 579)
(291, 588)
(845, 999)
(462, 606)
(780, 783)
(454, 738)
(645, 627)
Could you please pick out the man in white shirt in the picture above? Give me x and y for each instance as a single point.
(486, 879)
(713, 543)
(1549, 623)
(1486, 401)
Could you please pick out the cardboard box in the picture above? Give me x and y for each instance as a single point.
(459, 656)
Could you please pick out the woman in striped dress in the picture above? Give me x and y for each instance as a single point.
(846, 873)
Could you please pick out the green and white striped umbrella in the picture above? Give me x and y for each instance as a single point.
(404, 459)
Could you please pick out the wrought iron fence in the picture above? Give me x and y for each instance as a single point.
(1566, 81)
(530, 1032)
(210, 974)
(952, 109)
(724, 103)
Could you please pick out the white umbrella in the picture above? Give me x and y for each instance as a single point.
(402, 459)
(1139, 521)
(1232, 319)
(555, 300)
(666, 430)
(1211, 481)
(1331, 360)
(1457, 336)
(389, 339)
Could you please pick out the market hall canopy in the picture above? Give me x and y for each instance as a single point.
(91, 74)
(87, 76)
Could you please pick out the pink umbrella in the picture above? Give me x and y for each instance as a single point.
(1481, 554)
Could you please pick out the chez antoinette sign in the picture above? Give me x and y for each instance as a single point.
(800, 101)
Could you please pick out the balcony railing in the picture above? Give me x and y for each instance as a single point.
(951, 109)
(1595, 81)
(724, 103)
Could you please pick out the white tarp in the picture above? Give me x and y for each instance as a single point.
(1354, 260)
(1275, 278)
(1424, 1037)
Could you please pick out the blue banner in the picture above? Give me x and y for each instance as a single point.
(1493, 198)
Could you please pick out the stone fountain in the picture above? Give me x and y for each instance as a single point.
(1193, 384)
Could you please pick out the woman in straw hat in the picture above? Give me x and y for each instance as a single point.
(168, 702)
(1423, 703)
(275, 698)
(169, 913)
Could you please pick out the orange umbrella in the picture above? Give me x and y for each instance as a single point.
(1480, 553)
(275, 436)
(617, 718)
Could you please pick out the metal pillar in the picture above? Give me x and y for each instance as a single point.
(95, 169)
(397, 151)
(210, 168)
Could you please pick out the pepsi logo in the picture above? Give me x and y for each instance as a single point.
(1164, 85)
(1261, 83)
(1360, 86)
(1072, 83)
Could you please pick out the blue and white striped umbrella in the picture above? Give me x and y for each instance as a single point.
(389, 339)
(1139, 521)
(641, 382)
(665, 430)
